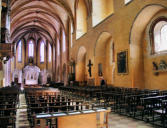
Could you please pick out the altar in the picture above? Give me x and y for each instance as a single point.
(31, 74)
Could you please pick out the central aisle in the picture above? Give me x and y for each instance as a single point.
(115, 120)
(21, 114)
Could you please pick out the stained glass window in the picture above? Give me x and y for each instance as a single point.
(58, 48)
(20, 51)
(42, 52)
(64, 42)
(50, 53)
(31, 49)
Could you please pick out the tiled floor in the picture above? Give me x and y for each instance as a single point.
(118, 121)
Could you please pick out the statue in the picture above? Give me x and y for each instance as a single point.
(31, 60)
(7, 36)
(155, 67)
(89, 70)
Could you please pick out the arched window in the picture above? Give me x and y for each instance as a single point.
(19, 51)
(50, 53)
(81, 19)
(58, 48)
(160, 37)
(71, 32)
(31, 49)
(64, 41)
(127, 1)
(42, 51)
(101, 10)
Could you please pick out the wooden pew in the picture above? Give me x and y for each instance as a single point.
(8, 102)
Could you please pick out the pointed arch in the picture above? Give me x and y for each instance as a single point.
(103, 58)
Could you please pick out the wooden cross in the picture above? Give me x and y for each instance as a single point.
(89, 70)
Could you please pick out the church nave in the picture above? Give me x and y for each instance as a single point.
(83, 63)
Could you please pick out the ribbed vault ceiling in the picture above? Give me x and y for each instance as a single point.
(44, 18)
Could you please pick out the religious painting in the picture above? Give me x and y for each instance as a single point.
(122, 62)
(100, 72)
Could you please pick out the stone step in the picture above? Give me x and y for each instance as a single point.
(23, 126)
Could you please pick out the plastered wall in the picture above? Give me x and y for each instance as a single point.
(151, 80)
(126, 26)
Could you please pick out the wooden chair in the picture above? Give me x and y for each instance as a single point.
(163, 114)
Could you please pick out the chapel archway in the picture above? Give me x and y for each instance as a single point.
(64, 74)
(104, 58)
(58, 74)
(81, 65)
(136, 43)
(16, 78)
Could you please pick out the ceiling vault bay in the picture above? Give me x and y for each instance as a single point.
(46, 18)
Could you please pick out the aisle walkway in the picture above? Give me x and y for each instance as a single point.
(118, 121)
(21, 114)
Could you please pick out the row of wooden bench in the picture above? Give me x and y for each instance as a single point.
(52, 102)
(143, 104)
(8, 105)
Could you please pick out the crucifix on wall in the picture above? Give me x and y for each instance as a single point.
(89, 66)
